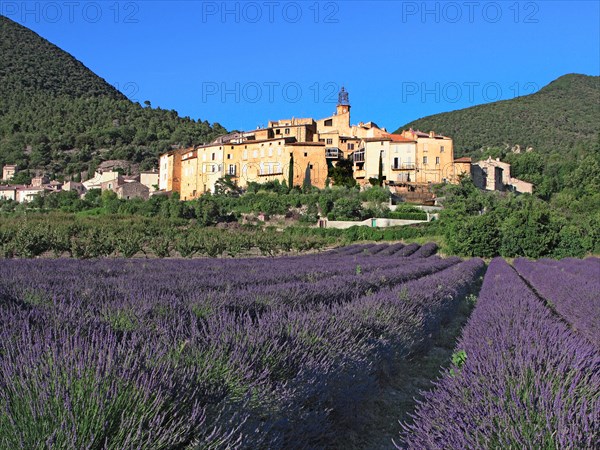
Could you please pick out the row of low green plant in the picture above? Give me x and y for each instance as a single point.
(67, 235)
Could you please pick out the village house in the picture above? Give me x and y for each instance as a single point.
(397, 155)
(149, 179)
(74, 186)
(21, 193)
(8, 192)
(434, 157)
(26, 194)
(101, 177)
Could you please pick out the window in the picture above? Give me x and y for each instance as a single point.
(279, 151)
(204, 157)
(231, 170)
(424, 159)
(441, 149)
(255, 153)
(245, 154)
(328, 123)
(262, 152)
(329, 141)
(320, 140)
(277, 131)
(305, 154)
(287, 131)
(396, 163)
(350, 146)
(213, 156)
(437, 160)
(270, 152)
(310, 166)
(229, 155)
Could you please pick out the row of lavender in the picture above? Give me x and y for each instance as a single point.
(571, 287)
(138, 354)
(522, 377)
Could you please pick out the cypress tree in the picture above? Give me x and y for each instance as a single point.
(291, 172)
(380, 174)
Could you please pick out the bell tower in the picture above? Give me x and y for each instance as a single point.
(343, 105)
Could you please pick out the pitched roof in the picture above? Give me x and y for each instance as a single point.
(398, 138)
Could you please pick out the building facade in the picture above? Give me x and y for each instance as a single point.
(396, 154)
(434, 157)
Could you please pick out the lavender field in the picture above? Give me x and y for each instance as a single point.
(287, 352)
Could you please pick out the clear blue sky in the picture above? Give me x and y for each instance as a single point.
(244, 63)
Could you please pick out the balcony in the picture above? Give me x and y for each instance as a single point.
(359, 156)
(333, 153)
(406, 166)
(269, 174)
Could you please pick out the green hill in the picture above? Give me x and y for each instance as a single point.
(58, 116)
(561, 115)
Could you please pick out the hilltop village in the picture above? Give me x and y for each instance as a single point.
(301, 149)
(305, 149)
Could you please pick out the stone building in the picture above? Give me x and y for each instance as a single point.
(8, 172)
(135, 189)
(494, 175)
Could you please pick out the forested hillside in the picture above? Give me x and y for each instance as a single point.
(561, 115)
(58, 116)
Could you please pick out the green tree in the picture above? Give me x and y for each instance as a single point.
(291, 172)
(474, 235)
(530, 230)
(346, 209)
(342, 174)
(380, 172)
